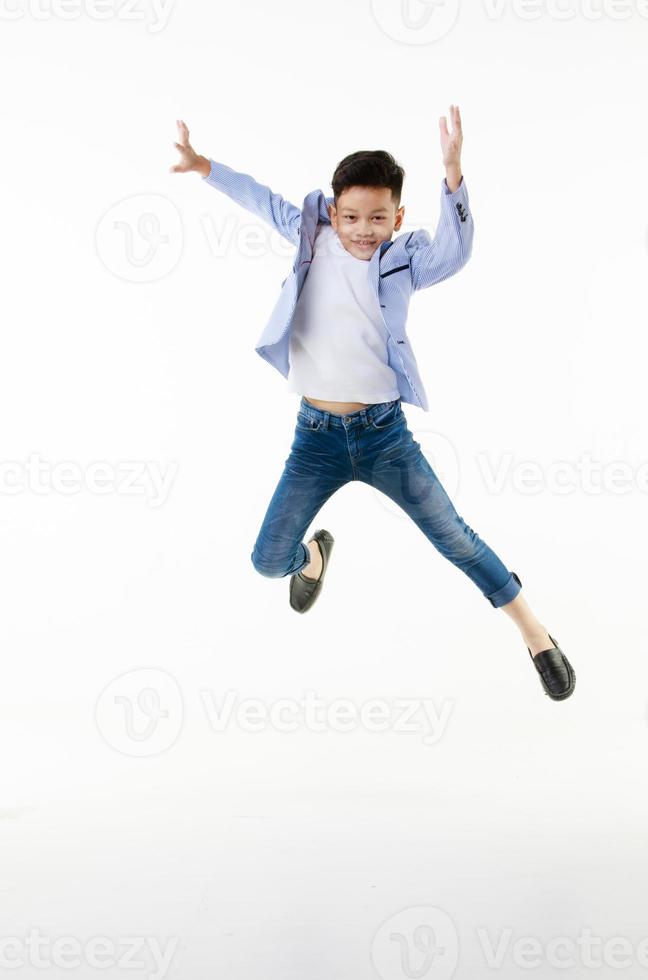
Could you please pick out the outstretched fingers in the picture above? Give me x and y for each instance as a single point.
(183, 131)
(455, 120)
(183, 147)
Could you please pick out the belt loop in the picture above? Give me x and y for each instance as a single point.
(325, 423)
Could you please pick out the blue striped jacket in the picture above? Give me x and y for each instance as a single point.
(411, 261)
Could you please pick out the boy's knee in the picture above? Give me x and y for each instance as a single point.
(458, 541)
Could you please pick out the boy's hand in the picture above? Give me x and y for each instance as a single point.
(189, 159)
(451, 147)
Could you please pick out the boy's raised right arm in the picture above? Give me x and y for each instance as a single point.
(242, 188)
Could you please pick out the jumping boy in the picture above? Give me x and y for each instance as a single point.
(337, 333)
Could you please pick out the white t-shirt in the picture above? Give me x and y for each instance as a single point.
(338, 341)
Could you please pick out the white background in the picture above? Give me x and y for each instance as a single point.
(128, 335)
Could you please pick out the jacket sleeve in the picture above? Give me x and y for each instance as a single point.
(281, 214)
(440, 257)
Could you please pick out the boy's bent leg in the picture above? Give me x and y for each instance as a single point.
(302, 489)
(401, 471)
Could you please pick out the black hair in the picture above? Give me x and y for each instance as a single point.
(368, 168)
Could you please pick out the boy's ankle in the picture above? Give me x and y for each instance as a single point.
(314, 568)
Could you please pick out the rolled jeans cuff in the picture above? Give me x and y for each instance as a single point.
(506, 594)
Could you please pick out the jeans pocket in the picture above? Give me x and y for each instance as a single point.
(389, 416)
(306, 424)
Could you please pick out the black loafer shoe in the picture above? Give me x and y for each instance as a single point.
(304, 591)
(556, 673)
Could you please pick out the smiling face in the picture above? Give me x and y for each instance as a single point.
(365, 217)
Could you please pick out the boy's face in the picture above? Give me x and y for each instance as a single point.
(365, 217)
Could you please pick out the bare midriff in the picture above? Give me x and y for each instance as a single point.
(339, 408)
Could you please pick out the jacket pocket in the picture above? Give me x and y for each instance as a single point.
(391, 272)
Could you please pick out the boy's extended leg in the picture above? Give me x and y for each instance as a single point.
(395, 464)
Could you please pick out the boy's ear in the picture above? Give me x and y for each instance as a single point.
(332, 210)
(400, 214)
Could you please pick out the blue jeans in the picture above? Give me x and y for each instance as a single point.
(373, 445)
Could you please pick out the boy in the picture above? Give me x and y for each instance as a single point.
(337, 333)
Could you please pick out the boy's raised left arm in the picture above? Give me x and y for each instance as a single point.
(438, 258)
